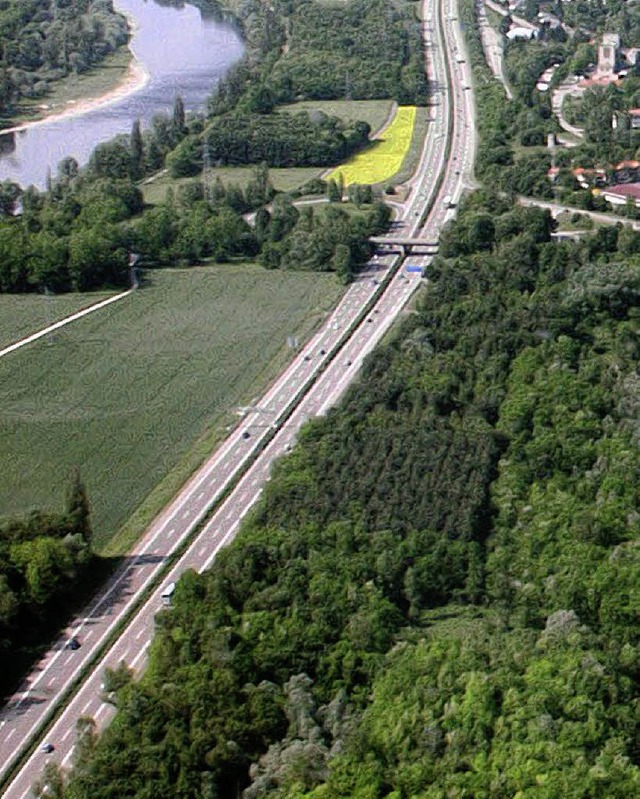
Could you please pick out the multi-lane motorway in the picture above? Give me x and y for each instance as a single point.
(313, 382)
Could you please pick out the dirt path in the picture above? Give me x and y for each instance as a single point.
(62, 322)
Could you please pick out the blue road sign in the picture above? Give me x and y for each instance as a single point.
(413, 268)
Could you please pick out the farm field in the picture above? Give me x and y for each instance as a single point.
(375, 112)
(24, 314)
(127, 394)
(384, 158)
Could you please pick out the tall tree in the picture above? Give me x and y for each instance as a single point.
(178, 116)
(78, 506)
(137, 150)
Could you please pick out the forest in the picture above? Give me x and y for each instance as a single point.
(438, 592)
(45, 40)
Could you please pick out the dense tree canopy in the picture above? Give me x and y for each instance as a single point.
(44, 40)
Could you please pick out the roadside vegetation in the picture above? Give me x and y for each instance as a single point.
(45, 560)
(382, 160)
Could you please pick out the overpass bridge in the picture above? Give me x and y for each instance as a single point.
(405, 245)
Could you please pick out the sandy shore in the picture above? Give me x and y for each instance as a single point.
(135, 78)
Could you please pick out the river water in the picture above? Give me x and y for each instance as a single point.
(182, 52)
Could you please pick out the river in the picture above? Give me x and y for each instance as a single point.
(181, 52)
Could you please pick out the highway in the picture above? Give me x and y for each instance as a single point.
(312, 383)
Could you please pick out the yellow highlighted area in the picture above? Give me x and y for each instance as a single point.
(384, 158)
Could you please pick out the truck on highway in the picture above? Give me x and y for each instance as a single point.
(447, 201)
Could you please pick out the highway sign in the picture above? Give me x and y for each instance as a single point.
(413, 268)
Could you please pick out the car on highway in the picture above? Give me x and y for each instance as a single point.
(47, 748)
(246, 434)
(72, 643)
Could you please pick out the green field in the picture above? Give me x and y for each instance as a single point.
(24, 314)
(375, 112)
(128, 393)
(155, 191)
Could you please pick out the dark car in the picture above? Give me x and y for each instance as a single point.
(72, 643)
(246, 434)
(47, 748)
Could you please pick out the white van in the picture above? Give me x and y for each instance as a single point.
(168, 593)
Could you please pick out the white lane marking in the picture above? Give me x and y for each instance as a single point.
(140, 655)
(140, 634)
(86, 707)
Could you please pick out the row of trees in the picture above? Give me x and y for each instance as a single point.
(79, 235)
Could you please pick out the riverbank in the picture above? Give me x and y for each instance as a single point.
(119, 76)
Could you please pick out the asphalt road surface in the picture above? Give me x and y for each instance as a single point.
(312, 383)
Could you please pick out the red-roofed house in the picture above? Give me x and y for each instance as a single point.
(621, 193)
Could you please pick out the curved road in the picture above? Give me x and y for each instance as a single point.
(313, 382)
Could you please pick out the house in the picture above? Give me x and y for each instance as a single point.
(520, 33)
(590, 177)
(621, 193)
